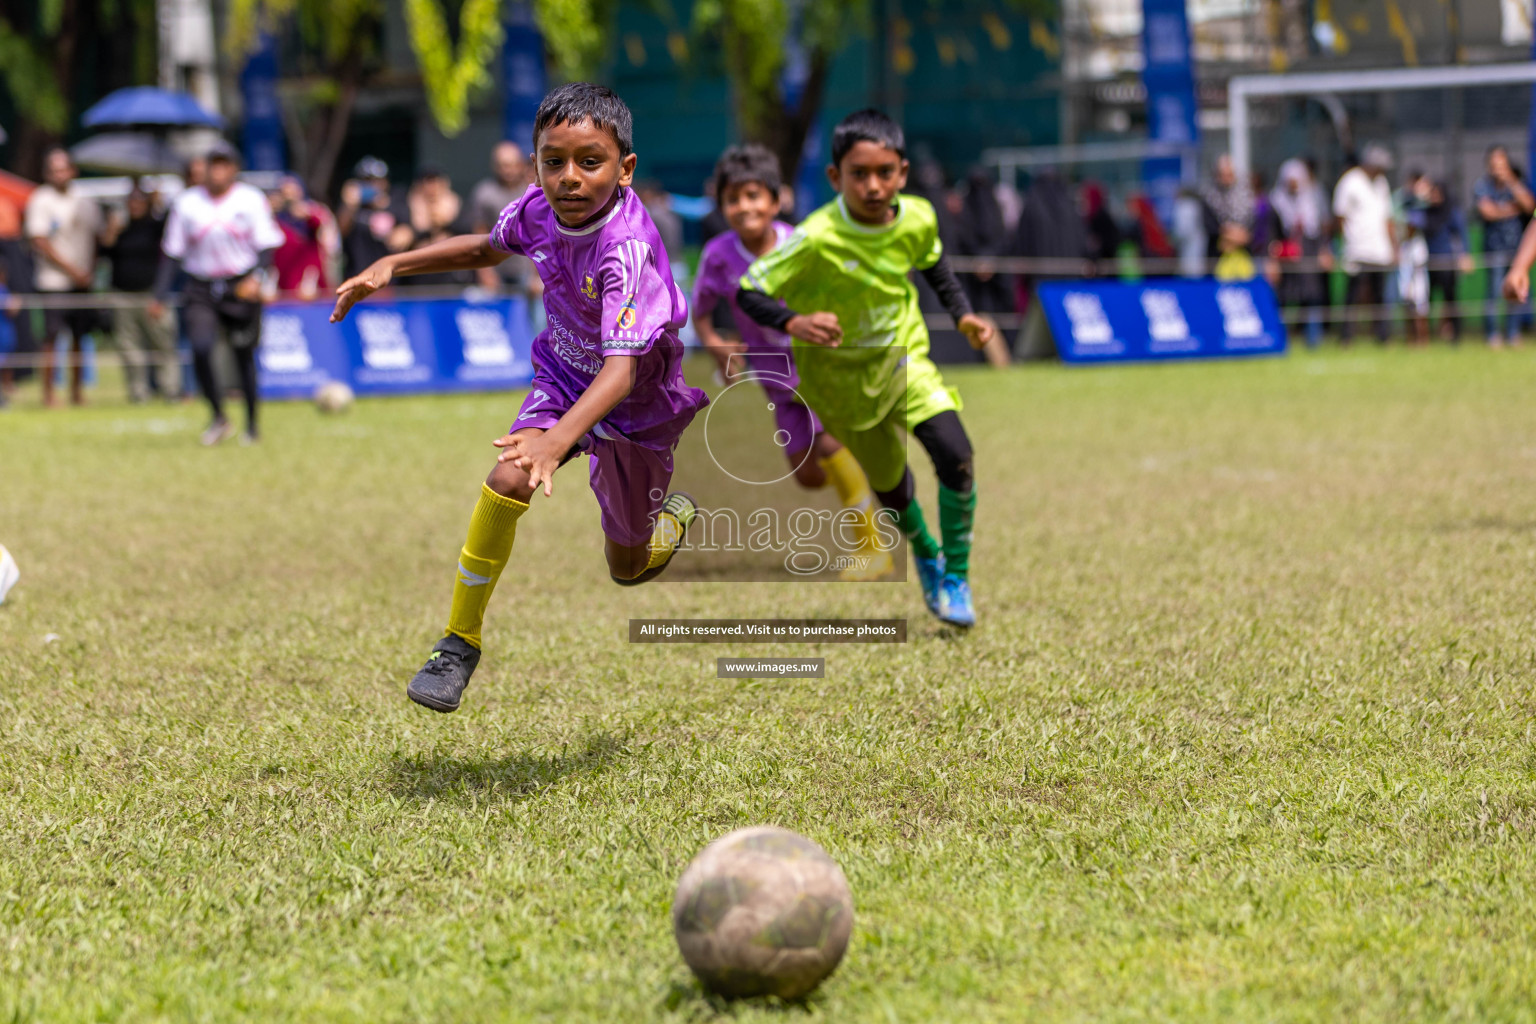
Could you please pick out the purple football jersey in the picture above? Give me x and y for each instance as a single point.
(721, 266)
(608, 290)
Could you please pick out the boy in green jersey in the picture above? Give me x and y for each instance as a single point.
(870, 379)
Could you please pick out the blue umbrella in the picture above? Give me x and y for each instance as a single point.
(146, 105)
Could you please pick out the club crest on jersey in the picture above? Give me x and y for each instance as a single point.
(627, 313)
(589, 289)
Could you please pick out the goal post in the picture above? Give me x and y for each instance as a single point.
(1242, 89)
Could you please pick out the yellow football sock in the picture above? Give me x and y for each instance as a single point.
(853, 491)
(492, 528)
(847, 478)
(664, 539)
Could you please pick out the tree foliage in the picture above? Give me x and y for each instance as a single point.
(45, 47)
(452, 77)
(755, 36)
(30, 80)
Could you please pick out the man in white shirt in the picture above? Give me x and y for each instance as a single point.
(222, 234)
(63, 227)
(1362, 202)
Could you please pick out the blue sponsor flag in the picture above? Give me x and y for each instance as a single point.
(523, 73)
(262, 133)
(1169, 77)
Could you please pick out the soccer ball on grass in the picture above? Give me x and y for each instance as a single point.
(762, 911)
(333, 397)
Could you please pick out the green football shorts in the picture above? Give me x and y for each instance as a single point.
(882, 449)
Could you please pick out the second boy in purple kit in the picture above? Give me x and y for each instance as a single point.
(747, 180)
(607, 370)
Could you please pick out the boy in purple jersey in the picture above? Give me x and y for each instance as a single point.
(607, 370)
(747, 181)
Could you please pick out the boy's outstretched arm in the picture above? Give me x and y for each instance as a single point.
(816, 328)
(540, 454)
(461, 252)
(1517, 283)
(941, 278)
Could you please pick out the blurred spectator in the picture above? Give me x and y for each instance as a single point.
(511, 174)
(1263, 212)
(1230, 227)
(147, 333)
(668, 225)
(1147, 232)
(1362, 202)
(437, 213)
(714, 223)
(308, 233)
(1413, 276)
(64, 227)
(1103, 234)
(1191, 233)
(1445, 231)
(9, 304)
(16, 266)
(1299, 246)
(1503, 202)
(789, 204)
(195, 173)
(221, 233)
(372, 220)
(1051, 228)
(983, 234)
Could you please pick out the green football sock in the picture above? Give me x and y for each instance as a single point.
(957, 514)
(910, 522)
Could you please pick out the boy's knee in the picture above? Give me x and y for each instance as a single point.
(626, 563)
(509, 482)
(808, 471)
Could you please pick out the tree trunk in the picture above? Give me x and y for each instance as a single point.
(315, 137)
(780, 129)
(33, 140)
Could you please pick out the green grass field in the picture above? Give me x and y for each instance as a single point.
(1245, 732)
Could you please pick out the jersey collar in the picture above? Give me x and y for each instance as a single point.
(869, 229)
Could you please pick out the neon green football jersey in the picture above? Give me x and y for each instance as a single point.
(832, 263)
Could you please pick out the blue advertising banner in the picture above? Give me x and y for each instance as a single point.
(401, 347)
(1157, 319)
(1169, 77)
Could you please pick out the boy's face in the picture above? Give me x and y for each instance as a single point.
(749, 208)
(869, 176)
(580, 170)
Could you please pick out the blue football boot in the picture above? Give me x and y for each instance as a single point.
(955, 601)
(930, 573)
